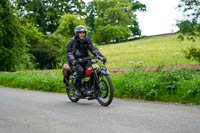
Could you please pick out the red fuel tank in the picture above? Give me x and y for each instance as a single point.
(88, 71)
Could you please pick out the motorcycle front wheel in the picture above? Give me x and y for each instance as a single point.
(106, 92)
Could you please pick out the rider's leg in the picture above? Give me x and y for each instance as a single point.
(66, 78)
(79, 75)
(87, 65)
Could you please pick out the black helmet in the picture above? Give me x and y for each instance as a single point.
(80, 28)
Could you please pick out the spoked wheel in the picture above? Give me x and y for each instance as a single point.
(70, 91)
(105, 95)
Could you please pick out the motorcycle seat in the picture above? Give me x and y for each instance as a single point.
(66, 67)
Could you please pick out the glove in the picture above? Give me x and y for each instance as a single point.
(74, 62)
(104, 60)
(81, 61)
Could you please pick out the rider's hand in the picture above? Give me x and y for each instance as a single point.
(81, 61)
(74, 62)
(99, 57)
(104, 60)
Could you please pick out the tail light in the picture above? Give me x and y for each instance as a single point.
(88, 71)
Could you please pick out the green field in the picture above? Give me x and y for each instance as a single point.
(159, 50)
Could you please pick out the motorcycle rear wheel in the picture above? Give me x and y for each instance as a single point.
(70, 91)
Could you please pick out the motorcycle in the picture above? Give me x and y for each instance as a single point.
(96, 83)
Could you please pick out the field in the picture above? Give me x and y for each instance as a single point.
(149, 51)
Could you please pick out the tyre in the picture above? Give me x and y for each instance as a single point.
(70, 90)
(106, 92)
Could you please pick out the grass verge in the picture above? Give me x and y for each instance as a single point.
(181, 86)
(43, 81)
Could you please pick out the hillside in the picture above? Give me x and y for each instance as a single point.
(158, 50)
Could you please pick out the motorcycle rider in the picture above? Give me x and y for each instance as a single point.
(77, 48)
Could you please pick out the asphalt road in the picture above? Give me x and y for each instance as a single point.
(24, 111)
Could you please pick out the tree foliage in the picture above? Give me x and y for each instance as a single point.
(91, 11)
(190, 26)
(31, 32)
(46, 55)
(116, 15)
(46, 13)
(137, 6)
(13, 44)
(193, 53)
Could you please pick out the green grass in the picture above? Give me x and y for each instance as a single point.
(181, 86)
(160, 50)
(43, 81)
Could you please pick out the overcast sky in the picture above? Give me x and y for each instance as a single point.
(160, 17)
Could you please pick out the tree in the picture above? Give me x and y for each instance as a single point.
(46, 55)
(190, 26)
(96, 9)
(91, 11)
(33, 38)
(137, 6)
(45, 14)
(114, 18)
(111, 33)
(135, 29)
(13, 44)
(32, 33)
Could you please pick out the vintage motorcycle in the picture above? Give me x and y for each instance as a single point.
(96, 83)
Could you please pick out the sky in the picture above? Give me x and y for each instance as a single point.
(160, 17)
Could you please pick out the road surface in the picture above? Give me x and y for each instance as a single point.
(25, 111)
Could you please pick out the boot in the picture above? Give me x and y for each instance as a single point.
(78, 93)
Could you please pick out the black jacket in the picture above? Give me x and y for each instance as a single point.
(77, 48)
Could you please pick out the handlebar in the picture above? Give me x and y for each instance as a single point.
(90, 58)
(87, 58)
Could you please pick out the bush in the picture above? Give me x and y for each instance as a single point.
(46, 55)
(171, 85)
(13, 43)
(193, 53)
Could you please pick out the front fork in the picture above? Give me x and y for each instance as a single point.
(96, 80)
